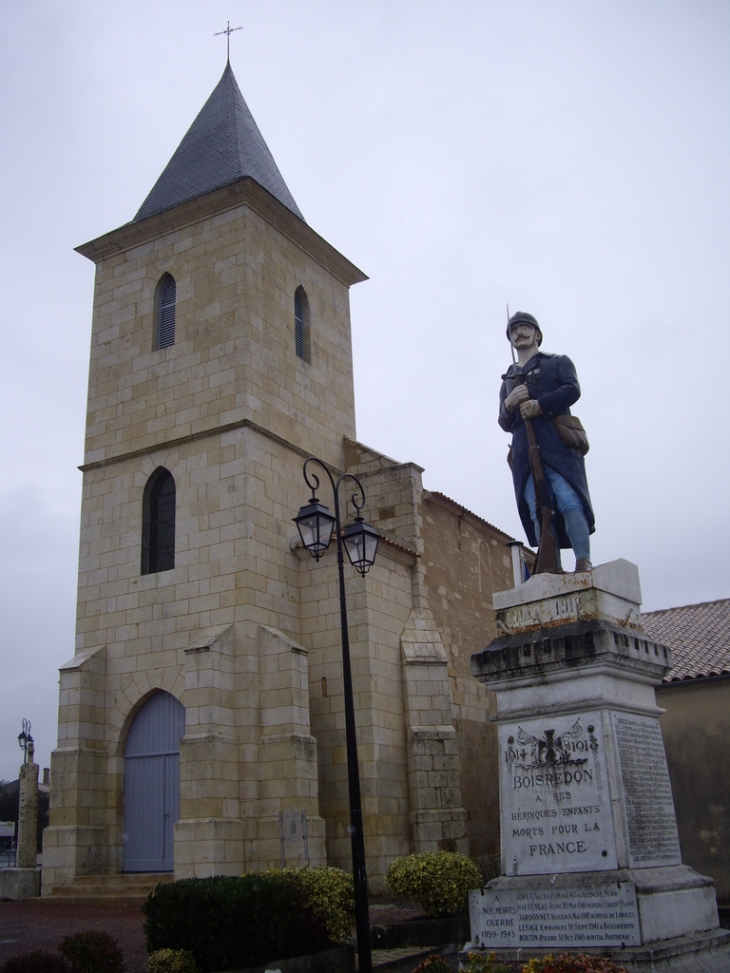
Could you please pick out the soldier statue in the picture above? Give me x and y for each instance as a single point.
(548, 445)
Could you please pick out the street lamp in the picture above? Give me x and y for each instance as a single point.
(25, 742)
(316, 525)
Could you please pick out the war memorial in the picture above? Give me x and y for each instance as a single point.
(590, 850)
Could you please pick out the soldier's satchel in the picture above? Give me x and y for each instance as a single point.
(571, 431)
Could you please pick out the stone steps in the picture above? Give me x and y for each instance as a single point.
(120, 889)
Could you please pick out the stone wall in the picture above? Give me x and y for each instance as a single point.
(466, 560)
(237, 257)
(699, 771)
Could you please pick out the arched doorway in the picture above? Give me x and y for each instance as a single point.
(152, 784)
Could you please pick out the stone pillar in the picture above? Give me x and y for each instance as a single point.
(288, 783)
(76, 842)
(24, 881)
(437, 818)
(28, 815)
(590, 850)
(209, 832)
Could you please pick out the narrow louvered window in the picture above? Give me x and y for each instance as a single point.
(166, 293)
(158, 523)
(301, 324)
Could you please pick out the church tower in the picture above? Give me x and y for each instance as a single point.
(220, 359)
(201, 719)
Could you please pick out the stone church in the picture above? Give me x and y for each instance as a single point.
(203, 706)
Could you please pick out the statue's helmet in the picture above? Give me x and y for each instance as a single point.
(523, 316)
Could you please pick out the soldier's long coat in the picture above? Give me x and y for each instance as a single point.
(552, 380)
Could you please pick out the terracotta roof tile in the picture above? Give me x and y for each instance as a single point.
(698, 635)
(457, 506)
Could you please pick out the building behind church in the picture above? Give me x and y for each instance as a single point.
(204, 701)
(695, 695)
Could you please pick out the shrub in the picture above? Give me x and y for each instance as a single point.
(479, 963)
(229, 923)
(38, 961)
(433, 964)
(226, 922)
(573, 963)
(172, 961)
(439, 880)
(93, 951)
(325, 910)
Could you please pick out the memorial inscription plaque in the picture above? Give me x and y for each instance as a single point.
(555, 806)
(597, 915)
(651, 824)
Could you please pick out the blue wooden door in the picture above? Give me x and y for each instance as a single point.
(152, 784)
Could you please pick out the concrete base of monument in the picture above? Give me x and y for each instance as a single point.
(590, 850)
(20, 883)
(584, 910)
(707, 952)
(611, 591)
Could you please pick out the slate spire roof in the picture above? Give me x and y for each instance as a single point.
(222, 146)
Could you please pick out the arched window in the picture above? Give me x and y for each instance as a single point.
(158, 523)
(301, 324)
(165, 312)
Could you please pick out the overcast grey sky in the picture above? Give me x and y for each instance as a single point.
(570, 157)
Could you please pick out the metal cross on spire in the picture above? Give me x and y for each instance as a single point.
(228, 31)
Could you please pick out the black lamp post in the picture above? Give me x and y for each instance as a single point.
(25, 741)
(360, 540)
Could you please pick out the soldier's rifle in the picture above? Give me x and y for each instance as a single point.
(547, 551)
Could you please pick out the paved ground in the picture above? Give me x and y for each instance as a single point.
(26, 926)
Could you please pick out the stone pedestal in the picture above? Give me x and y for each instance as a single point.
(27, 855)
(20, 883)
(24, 881)
(590, 850)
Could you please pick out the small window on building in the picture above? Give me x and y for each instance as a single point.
(301, 324)
(165, 312)
(158, 523)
